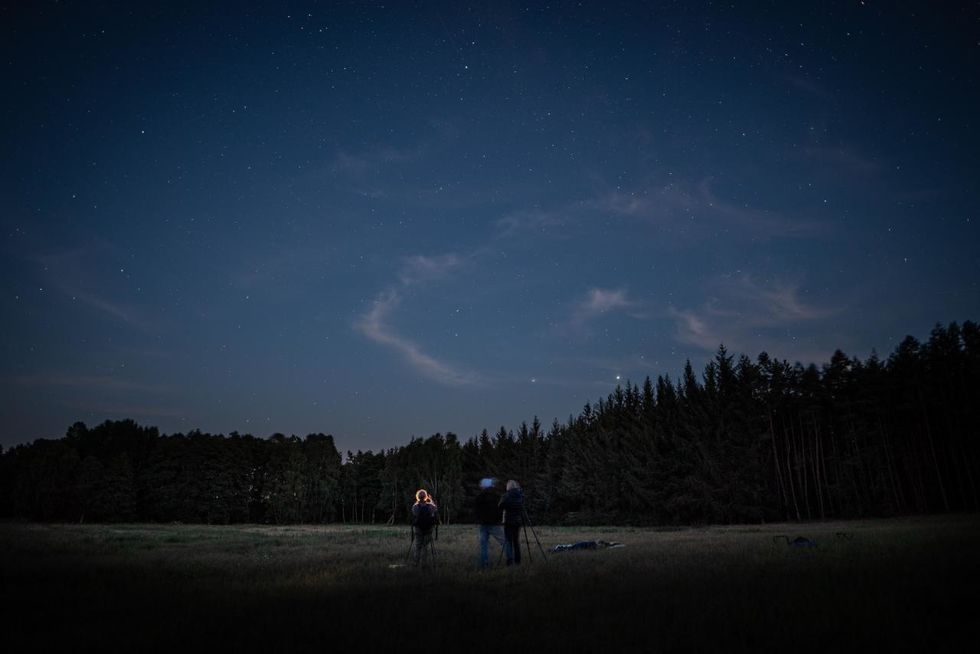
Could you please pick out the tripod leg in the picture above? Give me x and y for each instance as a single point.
(527, 543)
(537, 540)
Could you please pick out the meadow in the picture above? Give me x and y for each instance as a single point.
(899, 584)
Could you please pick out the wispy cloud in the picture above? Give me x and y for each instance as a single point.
(374, 324)
(598, 301)
(71, 273)
(693, 208)
(126, 314)
(361, 163)
(272, 270)
(694, 329)
(420, 268)
(372, 172)
(807, 86)
(765, 305)
(747, 315)
(534, 221)
(416, 271)
(844, 158)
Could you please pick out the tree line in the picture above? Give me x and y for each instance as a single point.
(743, 441)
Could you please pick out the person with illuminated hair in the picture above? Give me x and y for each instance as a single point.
(513, 505)
(425, 517)
(490, 516)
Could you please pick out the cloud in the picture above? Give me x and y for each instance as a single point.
(372, 173)
(420, 268)
(70, 272)
(121, 312)
(747, 315)
(271, 270)
(601, 300)
(361, 163)
(374, 325)
(808, 87)
(415, 271)
(693, 208)
(846, 159)
(768, 305)
(693, 329)
(660, 203)
(532, 221)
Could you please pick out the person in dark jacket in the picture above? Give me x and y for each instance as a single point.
(489, 515)
(425, 517)
(513, 505)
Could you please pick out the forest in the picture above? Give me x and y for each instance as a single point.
(742, 441)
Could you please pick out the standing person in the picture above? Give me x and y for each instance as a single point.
(513, 505)
(425, 517)
(490, 516)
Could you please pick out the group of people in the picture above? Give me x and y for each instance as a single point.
(500, 516)
(494, 511)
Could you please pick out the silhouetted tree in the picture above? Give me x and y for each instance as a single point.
(747, 441)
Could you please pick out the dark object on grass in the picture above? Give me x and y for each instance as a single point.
(799, 541)
(845, 535)
(586, 545)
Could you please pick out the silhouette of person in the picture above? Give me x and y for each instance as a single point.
(513, 505)
(489, 515)
(425, 517)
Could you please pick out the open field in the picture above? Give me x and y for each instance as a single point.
(904, 584)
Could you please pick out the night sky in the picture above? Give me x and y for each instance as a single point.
(380, 220)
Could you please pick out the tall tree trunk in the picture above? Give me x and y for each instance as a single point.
(932, 450)
(801, 454)
(968, 464)
(816, 466)
(860, 478)
(842, 476)
(779, 476)
(890, 464)
(913, 461)
(831, 500)
(789, 469)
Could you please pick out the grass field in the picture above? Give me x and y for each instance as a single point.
(904, 584)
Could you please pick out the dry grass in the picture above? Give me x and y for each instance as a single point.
(896, 584)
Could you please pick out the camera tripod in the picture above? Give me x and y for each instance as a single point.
(526, 520)
(426, 547)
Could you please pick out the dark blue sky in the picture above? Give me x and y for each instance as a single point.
(385, 219)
